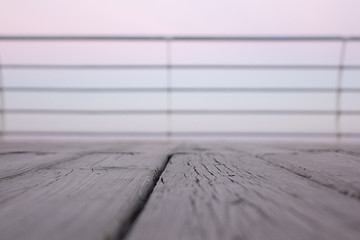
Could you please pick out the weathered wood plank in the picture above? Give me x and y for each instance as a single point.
(15, 164)
(350, 148)
(337, 171)
(49, 146)
(229, 195)
(91, 197)
(332, 166)
(18, 158)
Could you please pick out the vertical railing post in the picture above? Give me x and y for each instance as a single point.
(339, 89)
(168, 88)
(2, 103)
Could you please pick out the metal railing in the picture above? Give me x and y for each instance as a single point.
(169, 89)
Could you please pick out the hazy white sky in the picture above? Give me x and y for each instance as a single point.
(181, 16)
(170, 17)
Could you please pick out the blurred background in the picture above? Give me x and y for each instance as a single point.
(180, 68)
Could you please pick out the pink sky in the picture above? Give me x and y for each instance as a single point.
(181, 17)
(170, 17)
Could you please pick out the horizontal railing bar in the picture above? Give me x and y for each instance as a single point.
(185, 112)
(82, 66)
(265, 38)
(157, 90)
(179, 134)
(83, 112)
(175, 38)
(81, 38)
(73, 133)
(173, 66)
(263, 134)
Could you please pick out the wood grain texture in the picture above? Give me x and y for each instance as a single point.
(209, 190)
(92, 196)
(337, 171)
(20, 157)
(234, 195)
(334, 166)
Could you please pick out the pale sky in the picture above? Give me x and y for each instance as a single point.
(185, 17)
(181, 17)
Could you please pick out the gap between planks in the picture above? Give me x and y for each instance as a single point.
(125, 229)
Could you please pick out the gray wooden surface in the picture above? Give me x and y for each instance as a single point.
(245, 191)
(179, 190)
(91, 195)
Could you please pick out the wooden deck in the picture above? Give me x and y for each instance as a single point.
(179, 190)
